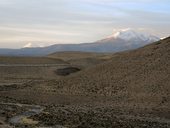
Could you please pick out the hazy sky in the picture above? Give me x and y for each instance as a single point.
(45, 22)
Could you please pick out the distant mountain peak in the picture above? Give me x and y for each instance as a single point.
(32, 45)
(28, 45)
(131, 34)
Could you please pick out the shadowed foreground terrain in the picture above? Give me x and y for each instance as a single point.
(129, 90)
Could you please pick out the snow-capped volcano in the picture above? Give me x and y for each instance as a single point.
(130, 34)
(126, 39)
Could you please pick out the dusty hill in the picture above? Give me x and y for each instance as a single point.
(140, 75)
(84, 59)
(72, 55)
(29, 67)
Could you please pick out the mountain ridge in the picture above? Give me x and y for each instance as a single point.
(133, 40)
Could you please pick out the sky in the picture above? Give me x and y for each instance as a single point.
(46, 22)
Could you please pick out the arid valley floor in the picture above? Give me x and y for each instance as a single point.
(129, 89)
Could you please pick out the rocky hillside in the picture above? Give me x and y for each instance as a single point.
(140, 75)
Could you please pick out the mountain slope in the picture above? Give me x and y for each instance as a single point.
(123, 40)
(138, 76)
